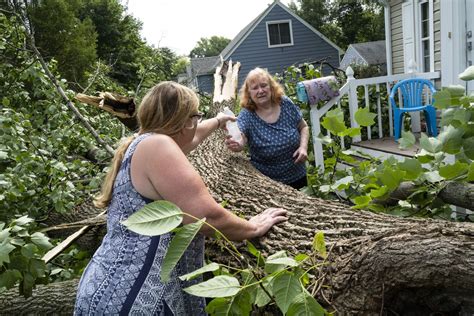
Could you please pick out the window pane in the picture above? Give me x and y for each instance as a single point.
(285, 33)
(426, 66)
(424, 11)
(424, 28)
(274, 34)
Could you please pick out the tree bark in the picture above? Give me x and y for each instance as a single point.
(378, 264)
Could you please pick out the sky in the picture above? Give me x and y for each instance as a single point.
(179, 24)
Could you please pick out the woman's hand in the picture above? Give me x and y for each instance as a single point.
(234, 145)
(223, 118)
(300, 155)
(265, 220)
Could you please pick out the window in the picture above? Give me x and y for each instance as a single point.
(425, 48)
(425, 36)
(279, 33)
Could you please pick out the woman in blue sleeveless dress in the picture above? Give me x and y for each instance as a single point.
(123, 276)
(274, 128)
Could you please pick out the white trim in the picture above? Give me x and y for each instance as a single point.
(279, 22)
(388, 38)
(270, 7)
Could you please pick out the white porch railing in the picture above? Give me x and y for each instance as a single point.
(349, 91)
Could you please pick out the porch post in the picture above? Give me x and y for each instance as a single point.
(315, 131)
(353, 102)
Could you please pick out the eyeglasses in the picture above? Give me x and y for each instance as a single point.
(195, 119)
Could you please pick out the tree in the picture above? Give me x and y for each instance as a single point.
(60, 34)
(375, 262)
(344, 22)
(207, 47)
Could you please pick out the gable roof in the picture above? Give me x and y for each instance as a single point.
(372, 52)
(242, 35)
(203, 65)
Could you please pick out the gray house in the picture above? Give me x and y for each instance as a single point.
(275, 40)
(368, 54)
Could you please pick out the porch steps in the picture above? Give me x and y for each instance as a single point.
(383, 148)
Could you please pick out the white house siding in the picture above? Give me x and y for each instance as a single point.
(397, 37)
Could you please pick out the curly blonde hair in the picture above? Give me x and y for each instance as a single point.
(254, 75)
(165, 109)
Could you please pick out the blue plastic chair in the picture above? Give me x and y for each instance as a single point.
(412, 94)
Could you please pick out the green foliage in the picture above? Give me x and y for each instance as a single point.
(343, 22)
(208, 47)
(21, 251)
(255, 285)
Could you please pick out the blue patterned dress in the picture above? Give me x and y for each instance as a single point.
(123, 276)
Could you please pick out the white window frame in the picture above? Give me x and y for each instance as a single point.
(420, 39)
(279, 22)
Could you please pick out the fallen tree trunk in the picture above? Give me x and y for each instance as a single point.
(378, 263)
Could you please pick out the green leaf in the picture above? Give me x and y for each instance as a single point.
(364, 117)
(305, 305)
(155, 218)
(407, 140)
(41, 241)
(351, 132)
(219, 286)
(430, 144)
(468, 147)
(334, 121)
(5, 249)
(233, 306)
(23, 220)
(433, 176)
(412, 168)
(8, 278)
(467, 74)
(283, 262)
(286, 287)
(207, 268)
(37, 268)
(391, 177)
(262, 298)
(361, 201)
(343, 183)
(29, 250)
(178, 246)
(470, 174)
(454, 170)
(319, 245)
(275, 267)
(378, 193)
(451, 139)
(3, 155)
(256, 253)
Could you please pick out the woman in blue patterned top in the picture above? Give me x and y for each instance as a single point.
(274, 129)
(123, 276)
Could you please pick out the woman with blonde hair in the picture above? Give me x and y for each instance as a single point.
(274, 128)
(123, 276)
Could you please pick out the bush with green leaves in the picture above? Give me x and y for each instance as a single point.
(277, 282)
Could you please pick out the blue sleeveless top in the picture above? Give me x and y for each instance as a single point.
(123, 276)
